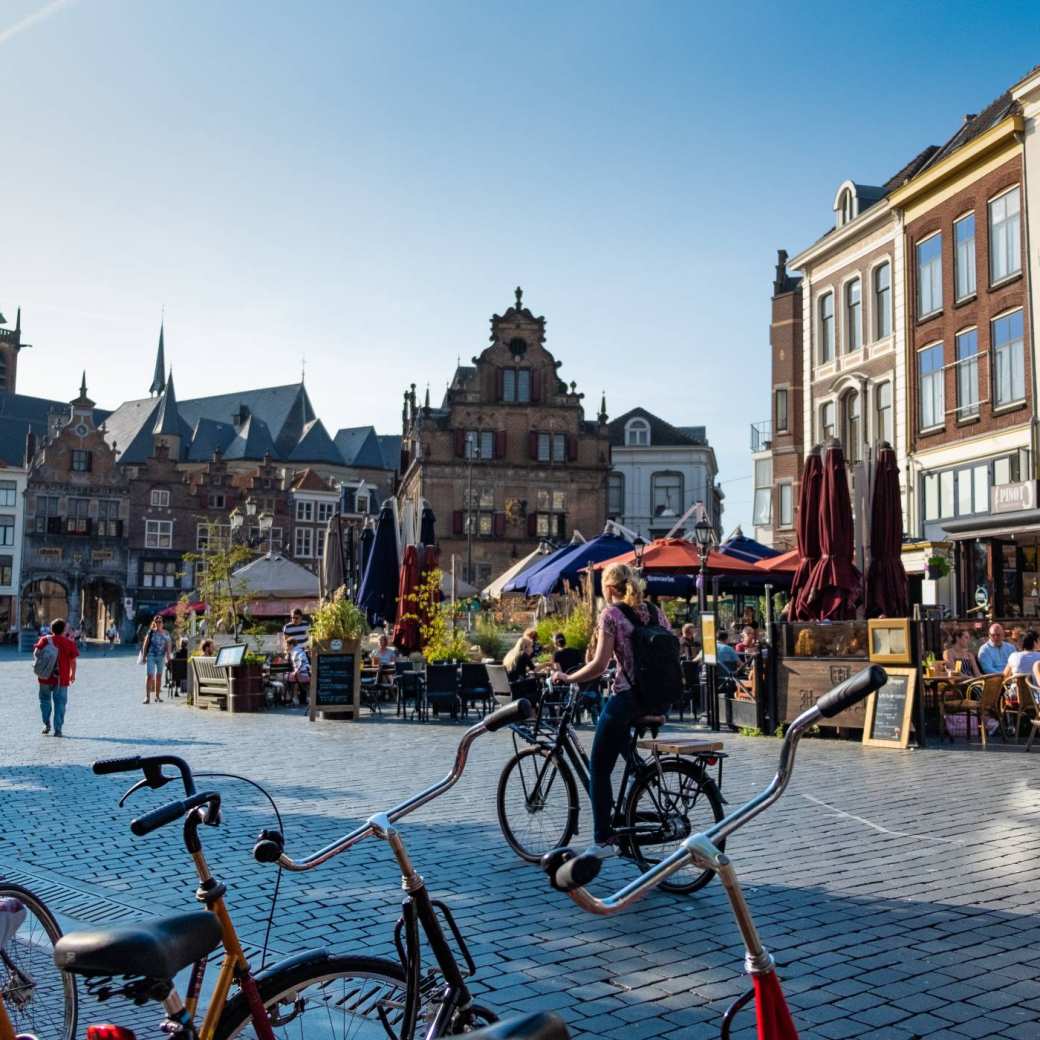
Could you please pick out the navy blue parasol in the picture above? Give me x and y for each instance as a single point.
(564, 569)
(378, 593)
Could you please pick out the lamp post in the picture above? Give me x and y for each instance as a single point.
(473, 453)
(638, 547)
(705, 535)
(267, 527)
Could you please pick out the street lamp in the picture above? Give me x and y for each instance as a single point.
(638, 547)
(703, 533)
(267, 527)
(473, 446)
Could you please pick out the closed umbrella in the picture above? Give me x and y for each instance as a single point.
(427, 527)
(378, 593)
(350, 555)
(364, 551)
(808, 534)
(406, 631)
(835, 584)
(886, 578)
(333, 564)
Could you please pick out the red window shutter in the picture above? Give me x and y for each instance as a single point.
(532, 525)
(500, 444)
(572, 447)
(532, 444)
(460, 443)
(536, 385)
(499, 523)
(500, 387)
(456, 522)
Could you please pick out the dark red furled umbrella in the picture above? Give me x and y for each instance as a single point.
(886, 578)
(808, 534)
(835, 585)
(406, 631)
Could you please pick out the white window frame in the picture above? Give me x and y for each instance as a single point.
(833, 406)
(762, 503)
(958, 296)
(303, 543)
(782, 522)
(936, 300)
(304, 511)
(324, 511)
(160, 498)
(634, 430)
(974, 408)
(996, 353)
(8, 494)
(826, 350)
(940, 375)
(876, 309)
(361, 502)
(786, 391)
(1011, 246)
(847, 316)
(158, 534)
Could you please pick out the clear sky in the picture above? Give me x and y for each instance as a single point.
(364, 184)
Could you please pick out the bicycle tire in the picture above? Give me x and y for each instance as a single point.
(514, 779)
(699, 785)
(30, 952)
(382, 984)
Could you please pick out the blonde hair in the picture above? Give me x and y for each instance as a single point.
(627, 581)
(525, 644)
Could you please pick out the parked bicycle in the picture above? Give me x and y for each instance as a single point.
(665, 793)
(569, 872)
(361, 997)
(36, 999)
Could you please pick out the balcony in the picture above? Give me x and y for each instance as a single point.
(761, 436)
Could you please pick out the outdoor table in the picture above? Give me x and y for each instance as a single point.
(935, 687)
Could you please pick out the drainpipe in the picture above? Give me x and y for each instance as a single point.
(1034, 431)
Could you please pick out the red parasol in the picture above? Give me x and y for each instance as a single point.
(406, 630)
(886, 578)
(774, 1019)
(835, 585)
(808, 535)
(785, 563)
(195, 608)
(677, 555)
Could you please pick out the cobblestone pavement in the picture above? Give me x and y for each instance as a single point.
(896, 889)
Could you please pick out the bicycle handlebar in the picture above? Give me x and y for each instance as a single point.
(270, 848)
(151, 766)
(171, 811)
(570, 872)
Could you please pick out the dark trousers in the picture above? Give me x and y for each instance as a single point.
(612, 735)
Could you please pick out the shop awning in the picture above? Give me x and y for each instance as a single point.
(994, 525)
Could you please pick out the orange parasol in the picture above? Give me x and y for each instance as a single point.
(677, 555)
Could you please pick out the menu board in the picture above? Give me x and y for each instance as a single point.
(334, 681)
(890, 709)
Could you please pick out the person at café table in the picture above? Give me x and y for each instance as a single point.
(1022, 662)
(385, 657)
(958, 650)
(994, 653)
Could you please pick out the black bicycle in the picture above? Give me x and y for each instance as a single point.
(665, 795)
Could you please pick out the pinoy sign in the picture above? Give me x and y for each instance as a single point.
(1010, 498)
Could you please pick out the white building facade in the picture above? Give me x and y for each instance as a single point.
(658, 472)
(12, 520)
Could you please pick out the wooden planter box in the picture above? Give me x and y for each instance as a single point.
(335, 680)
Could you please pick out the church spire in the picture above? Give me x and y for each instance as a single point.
(602, 408)
(83, 384)
(159, 376)
(167, 419)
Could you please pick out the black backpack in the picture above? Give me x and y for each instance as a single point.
(658, 682)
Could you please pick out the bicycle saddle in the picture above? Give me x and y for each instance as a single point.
(155, 949)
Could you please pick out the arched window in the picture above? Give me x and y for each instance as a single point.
(852, 427)
(847, 206)
(616, 495)
(667, 492)
(826, 327)
(637, 433)
(827, 428)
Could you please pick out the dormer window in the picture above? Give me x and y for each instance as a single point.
(846, 207)
(846, 204)
(637, 433)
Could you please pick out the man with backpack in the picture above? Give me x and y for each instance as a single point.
(648, 681)
(54, 664)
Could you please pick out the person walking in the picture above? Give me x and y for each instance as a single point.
(155, 652)
(54, 688)
(110, 634)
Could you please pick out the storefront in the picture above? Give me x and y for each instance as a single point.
(997, 554)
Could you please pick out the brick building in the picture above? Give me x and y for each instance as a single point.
(509, 458)
(971, 376)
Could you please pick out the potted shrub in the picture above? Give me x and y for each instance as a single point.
(337, 628)
(938, 567)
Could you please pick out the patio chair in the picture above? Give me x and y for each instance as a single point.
(474, 686)
(980, 700)
(1034, 726)
(499, 682)
(371, 691)
(442, 688)
(691, 678)
(410, 688)
(1017, 704)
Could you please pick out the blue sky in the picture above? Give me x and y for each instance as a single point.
(364, 184)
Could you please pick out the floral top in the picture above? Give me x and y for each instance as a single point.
(158, 643)
(613, 622)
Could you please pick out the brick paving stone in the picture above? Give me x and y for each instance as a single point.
(905, 919)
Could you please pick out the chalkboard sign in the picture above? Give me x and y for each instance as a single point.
(335, 679)
(890, 709)
(335, 682)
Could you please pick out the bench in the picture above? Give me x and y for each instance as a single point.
(214, 687)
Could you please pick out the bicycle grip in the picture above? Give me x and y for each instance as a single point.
(568, 870)
(158, 818)
(518, 711)
(117, 765)
(852, 691)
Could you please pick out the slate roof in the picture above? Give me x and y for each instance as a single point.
(976, 125)
(12, 440)
(390, 446)
(662, 434)
(359, 446)
(252, 440)
(38, 410)
(209, 436)
(315, 445)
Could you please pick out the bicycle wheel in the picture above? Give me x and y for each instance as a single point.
(335, 999)
(39, 997)
(668, 802)
(537, 803)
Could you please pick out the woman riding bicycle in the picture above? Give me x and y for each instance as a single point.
(621, 585)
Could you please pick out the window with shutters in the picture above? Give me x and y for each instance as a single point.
(550, 519)
(480, 444)
(552, 447)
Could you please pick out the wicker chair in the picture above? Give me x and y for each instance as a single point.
(1017, 703)
(980, 699)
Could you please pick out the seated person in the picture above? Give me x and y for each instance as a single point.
(688, 645)
(958, 651)
(565, 658)
(385, 657)
(725, 655)
(1023, 662)
(994, 653)
(519, 662)
(748, 641)
(301, 672)
(207, 649)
